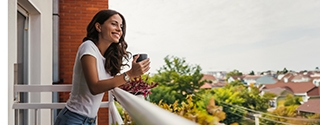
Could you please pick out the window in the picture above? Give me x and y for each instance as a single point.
(21, 67)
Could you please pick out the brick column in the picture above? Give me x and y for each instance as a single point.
(74, 18)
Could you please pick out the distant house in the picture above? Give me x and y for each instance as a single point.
(303, 84)
(300, 78)
(311, 106)
(304, 76)
(315, 81)
(250, 79)
(315, 78)
(218, 74)
(234, 78)
(287, 77)
(211, 82)
(280, 76)
(315, 74)
(269, 72)
(265, 79)
(219, 84)
(280, 92)
(206, 86)
(314, 92)
(209, 78)
(298, 89)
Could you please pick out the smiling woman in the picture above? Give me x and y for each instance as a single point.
(97, 68)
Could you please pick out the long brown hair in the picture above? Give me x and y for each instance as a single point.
(116, 52)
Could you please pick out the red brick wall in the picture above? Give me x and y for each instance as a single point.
(74, 18)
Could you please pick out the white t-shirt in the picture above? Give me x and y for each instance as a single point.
(81, 100)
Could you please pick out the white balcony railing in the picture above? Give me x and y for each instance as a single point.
(140, 110)
(52, 106)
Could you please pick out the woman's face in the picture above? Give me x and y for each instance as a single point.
(110, 30)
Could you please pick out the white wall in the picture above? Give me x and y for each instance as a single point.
(12, 54)
(40, 52)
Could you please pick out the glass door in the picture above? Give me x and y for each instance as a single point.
(21, 67)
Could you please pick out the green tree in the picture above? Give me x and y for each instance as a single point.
(254, 101)
(284, 71)
(251, 73)
(292, 100)
(228, 97)
(282, 111)
(176, 79)
(233, 73)
(269, 95)
(287, 110)
(236, 95)
(202, 98)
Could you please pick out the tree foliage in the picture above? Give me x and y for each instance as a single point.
(233, 73)
(176, 79)
(292, 100)
(236, 95)
(202, 98)
(251, 73)
(228, 96)
(211, 116)
(285, 111)
(284, 71)
(289, 115)
(269, 95)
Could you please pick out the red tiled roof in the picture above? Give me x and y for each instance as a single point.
(210, 85)
(311, 105)
(288, 76)
(313, 78)
(208, 77)
(251, 77)
(278, 90)
(295, 87)
(219, 84)
(314, 92)
(206, 86)
(297, 77)
(237, 77)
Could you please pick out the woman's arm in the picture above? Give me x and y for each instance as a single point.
(97, 86)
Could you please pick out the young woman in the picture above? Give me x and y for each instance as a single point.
(97, 68)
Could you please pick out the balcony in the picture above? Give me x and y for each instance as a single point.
(141, 111)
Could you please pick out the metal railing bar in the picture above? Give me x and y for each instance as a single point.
(42, 88)
(36, 116)
(52, 105)
(48, 105)
(52, 118)
(115, 116)
(145, 113)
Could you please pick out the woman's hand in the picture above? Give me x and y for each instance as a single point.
(139, 68)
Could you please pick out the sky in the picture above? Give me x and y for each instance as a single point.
(223, 35)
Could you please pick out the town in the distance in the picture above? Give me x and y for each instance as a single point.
(304, 84)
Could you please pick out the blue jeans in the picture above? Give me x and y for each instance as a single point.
(66, 117)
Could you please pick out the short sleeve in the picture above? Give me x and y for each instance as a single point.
(88, 48)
